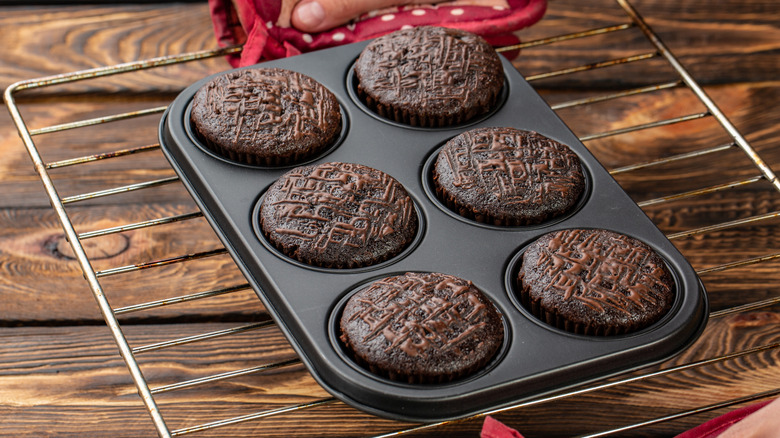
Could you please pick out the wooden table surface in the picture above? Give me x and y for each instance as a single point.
(60, 372)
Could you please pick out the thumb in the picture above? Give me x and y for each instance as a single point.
(320, 15)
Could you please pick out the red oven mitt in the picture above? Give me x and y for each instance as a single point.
(492, 428)
(255, 24)
(718, 425)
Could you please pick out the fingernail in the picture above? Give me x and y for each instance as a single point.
(310, 14)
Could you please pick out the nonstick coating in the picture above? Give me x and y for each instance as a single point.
(305, 302)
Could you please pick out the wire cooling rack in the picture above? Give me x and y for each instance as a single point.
(655, 49)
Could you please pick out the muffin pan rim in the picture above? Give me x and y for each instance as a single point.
(322, 361)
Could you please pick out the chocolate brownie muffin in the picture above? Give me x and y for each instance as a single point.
(429, 76)
(421, 328)
(595, 282)
(265, 116)
(506, 176)
(338, 215)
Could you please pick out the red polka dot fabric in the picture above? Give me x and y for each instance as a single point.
(256, 25)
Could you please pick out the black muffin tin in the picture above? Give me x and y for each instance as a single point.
(305, 301)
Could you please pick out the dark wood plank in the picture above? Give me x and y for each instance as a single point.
(746, 105)
(750, 106)
(706, 38)
(29, 230)
(67, 375)
(41, 281)
(41, 42)
(36, 261)
(21, 183)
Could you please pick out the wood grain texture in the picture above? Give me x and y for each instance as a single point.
(21, 185)
(42, 42)
(706, 36)
(36, 262)
(41, 281)
(60, 373)
(750, 106)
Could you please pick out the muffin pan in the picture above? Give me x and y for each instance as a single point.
(305, 301)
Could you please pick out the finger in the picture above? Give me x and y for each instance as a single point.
(319, 15)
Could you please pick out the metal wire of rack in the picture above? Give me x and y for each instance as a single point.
(128, 353)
